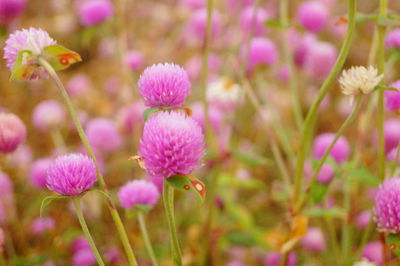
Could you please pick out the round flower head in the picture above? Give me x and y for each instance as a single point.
(393, 39)
(164, 85)
(313, 15)
(84, 257)
(48, 115)
(214, 114)
(196, 27)
(2, 240)
(326, 174)
(303, 47)
(78, 84)
(261, 51)
(391, 129)
(273, 259)
(373, 252)
(6, 186)
(42, 225)
(172, 144)
(134, 60)
(359, 79)
(387, 206)
(79, 243)
(138, 192)
(112, 255)
(339, 152)
(193, 66)
(93, 12)
(314, 240)
(38, 172)
(10, 10)
(362, 219)
(103, 134)
(393, 98)
(33, 40)
(71, 174)
(252, 21)
(12, 132)
(224, 94)
(131, 115)
(320, 59)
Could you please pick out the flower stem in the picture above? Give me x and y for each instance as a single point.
(114, 214)
(146, 238)
(309, 121)
(168, 198)
(86, 231)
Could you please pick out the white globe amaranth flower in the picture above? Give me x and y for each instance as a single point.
(364, 262)
(224, 93)
(359, 80)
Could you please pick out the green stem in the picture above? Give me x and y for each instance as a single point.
(146, 238)
(346, 229)
(86, 231)
(308, 124)
(168, 198)
(114, 214)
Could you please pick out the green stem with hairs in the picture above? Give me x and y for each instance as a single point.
(146, 238)
(111, 206)
(86, 231)
(308, 124)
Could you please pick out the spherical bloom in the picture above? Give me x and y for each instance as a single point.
(6, 186)
(84, 257)
(273, 259)
(373, 252)
(172, 144)
(71, 174)
(362, 219)
(10, 10)
(158, 181)
(134, 60)
(2, 240)
(393, 98)
(103, 134)
(320, 59)
(224, 94)
(12, 132)
(314, 240)
(359, 79)
(387, 206)
(42, 225)
(252, 20)
(38, 174)
(325, 174)
(22, 156)
(138, 192)
(164, 85)
(339, 152)
(196, 27)
(78, 84)
(313, 15)
(33, 40)
(131, 115)
(48, 115)
(112, 255)
(391, 129)
(393, 39)
(261, 51)
(2, 213)
(93, 12)
(214, 114)
(79, 243)
(302, 48)
(193, 66)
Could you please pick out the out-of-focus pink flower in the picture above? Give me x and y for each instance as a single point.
(79, 243)
(12, 132)
(78, 85)
(260, 52)
(320, 59)
(134, 60)
(10, 10)
(392, 98)
(193, 66)
(84, 257)
(42, 225)
(193, 4)
(130, 116)
(48, 115)
(196, 27)
(93, 12)
(391, 130)
(313, 15)
(252, 21)
(214, 115)
(393, 39)
(339, 152)
(112, 255)
(363, 218)
(373, 252)
(314, 240)
(138, 192)
(103, 135)
(273, 259)
(38, 173)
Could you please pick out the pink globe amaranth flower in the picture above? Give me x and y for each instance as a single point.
(339, 152)
(134, 60)
(214, 114)
(303, 48)
(158, 181)
(71, 174)
(93, 12)
(193, 4)
(33, 40)
(314, 240)
(326, 174)
(38, 173)
(42, 225)
(387, 206)
(363, 218)
(48, 115)
(84, 257)
(273, 259)
(252, 21)
(138, 192)
(172, 144)
(313, 15)
(21, 157)
(196, 27)
(130, 116)
(393, 39)
(373, 252)
(320, 59)
(78, 85)
(193, 66)
(79, 243)
(391, 130)
(164, 85)
(112, 255)
(103, 135)
(392, 98)
(6, 186)
(12, 132)
(10, 10)
(2, 240)
(235, 263)
(260, 52)
(234, 5)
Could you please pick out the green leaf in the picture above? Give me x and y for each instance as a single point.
(365, 177)
(148, 112)
(143, 207)
(318, 191)
(243, 238)
(21, 70)
(273, 23)
(334, 212)
(188, 184)
(393, 240)
(361, 18)
(47, 200)
(60, 57)
(250, 159)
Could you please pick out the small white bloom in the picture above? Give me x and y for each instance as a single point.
(359, 79)
(224, 93)
(364, 262)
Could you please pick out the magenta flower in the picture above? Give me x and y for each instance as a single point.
(134, 60)
(2, 239)
(252, 21)
(320, 59)
(214, 114)
(12, 132)
(363, 218)
(193, 4)
(93, 12)
(314, 240)
(78, 84)
(393, 39)
(103, 135)
(71, 174)
(10, 10)
(373, 252)
(42, 225)
(273, 259)
(112, 255)
(339, 152)
(138, 192)
(164, 85)
(48, 115)
(130, 116)
(391, 130)
(193, 66)
(262, 52)
(393, 98)
(325, 174)
(79, 243)
(172, 144)
(196, 27)
(38, 173)
(313, 15)
(387, 206)
(84, 257)
(6, 186)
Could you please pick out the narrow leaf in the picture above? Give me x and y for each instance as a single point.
(188, 184)
(148, 112)
(318, 191)
(47, 200)
(393, 241)
(250, 159)
(60, 57)
(22, 70)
